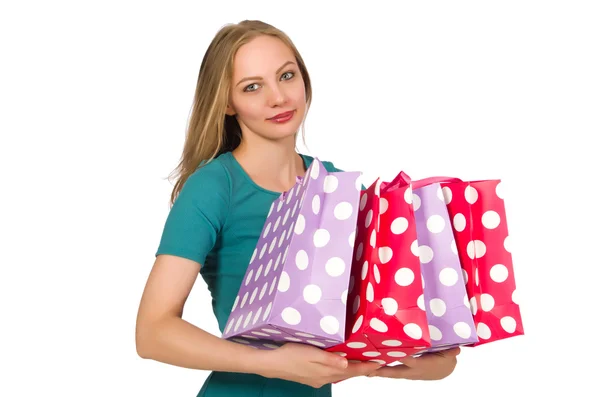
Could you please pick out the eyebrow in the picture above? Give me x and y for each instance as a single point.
(260, 78)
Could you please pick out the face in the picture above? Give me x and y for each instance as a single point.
(267, 95)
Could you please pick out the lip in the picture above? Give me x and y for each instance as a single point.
(282, 116)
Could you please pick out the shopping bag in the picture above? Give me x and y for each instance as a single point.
(478, 215)
(445, 297)
(385, 322)
(295, 286)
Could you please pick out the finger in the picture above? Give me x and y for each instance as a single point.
(396, 372)
(363, 369)
(332, 360)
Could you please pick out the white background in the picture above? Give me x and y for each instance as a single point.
(94, 100)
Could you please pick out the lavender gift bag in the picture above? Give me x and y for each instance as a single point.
(296, 283)
(445, 296)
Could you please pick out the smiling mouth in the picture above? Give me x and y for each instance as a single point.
(282, 117)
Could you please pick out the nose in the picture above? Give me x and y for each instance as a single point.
(277, 96)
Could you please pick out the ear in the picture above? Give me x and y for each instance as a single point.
(229, 111)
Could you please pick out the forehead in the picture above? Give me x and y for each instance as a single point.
(261, 56)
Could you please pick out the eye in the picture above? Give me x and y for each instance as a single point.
(290, 74)
(247, 89)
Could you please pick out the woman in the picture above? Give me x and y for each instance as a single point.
(252, 95)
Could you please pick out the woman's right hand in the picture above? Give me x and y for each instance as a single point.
(310, 365)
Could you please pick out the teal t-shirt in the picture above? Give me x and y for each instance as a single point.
(216, 221)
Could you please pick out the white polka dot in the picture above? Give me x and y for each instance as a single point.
(356, 304)
(465, 276)
(273, 285)
(414, 248)
(279, 205)
(390, 306)
(363, 201)
(277, 224)
(291, 338)
(248, 318)
(357, 326)
(421, 302)
(490, 219)
(435, 333)
(239, 322)
(267, 229)
(270, 345)
(237, 298)
(271, 331)
(416, 202)
(305, 334)
(260, 333)
(312, 294)
(499, 273)
(376, 274)
(391, 343)
(300, 224)
(271, 209)
(447, 194)
(500, 190)
(253, 295)
(277, 261)
(316, 343)
(373, 239)
(369, 218)
(245, 342)
(286, 217)
(330, 325)
(404, 277)
(330, 184)
(370, 292)
(437, 306)
(396, 354)
(476, 276)
(316, 204)
(352, 238)
(250, 337)
(342, 211)
(371, 354)
(507, 245)
(378, 362)
(364, 270)
(284, 282)
(408, 195)
(321, 238)
(515, 297)
(476, 249)
(385, 254)
(291, 316)
(508, 324)
(448, 276)
(383, 205)
(253, 255)
(229, 326)
(425, 253)
(471, 195)
(413, 331)
(301, 260)
(466, 301)
(335, 267)
(358, 183)
(267, 311)
(244, 299)
(399, 225)
(314, 170)
(453, 247)
(351, 286)
(460, 222)
(257, 315)
(249, 277)
(462, 329)
(258, 272)
(356, 345)
(359, 251)
(435, 224)
(483, 331)
(473, 304)
(344, 296)
(378, 325)
(487, 302)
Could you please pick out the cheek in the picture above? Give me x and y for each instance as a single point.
(249, 109)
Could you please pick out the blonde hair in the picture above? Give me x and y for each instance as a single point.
(210, 131)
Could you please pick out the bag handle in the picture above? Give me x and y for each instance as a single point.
(402, 179)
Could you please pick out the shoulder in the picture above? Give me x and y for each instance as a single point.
(210, 180)
(329, 166)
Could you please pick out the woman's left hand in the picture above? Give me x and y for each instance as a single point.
(430, 366)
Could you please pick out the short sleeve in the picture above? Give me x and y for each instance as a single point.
(197, 215)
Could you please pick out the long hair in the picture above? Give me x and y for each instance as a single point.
(210, 131)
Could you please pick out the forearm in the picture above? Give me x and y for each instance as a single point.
(175, 341)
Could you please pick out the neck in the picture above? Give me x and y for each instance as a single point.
(273, 165)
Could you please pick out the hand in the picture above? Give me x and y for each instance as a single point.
(310, 365)
(429, 366)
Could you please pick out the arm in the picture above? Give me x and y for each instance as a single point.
(162, 335)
